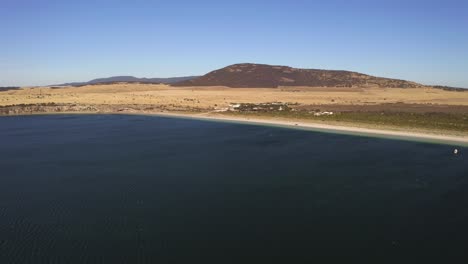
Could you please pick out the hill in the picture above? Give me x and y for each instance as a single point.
(130, 79)
(7, 88)
(268, 76)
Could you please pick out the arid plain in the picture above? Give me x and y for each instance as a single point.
(210, 98)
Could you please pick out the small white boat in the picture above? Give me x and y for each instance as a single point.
(455, 151)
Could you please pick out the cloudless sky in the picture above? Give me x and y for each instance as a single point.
(49, 42)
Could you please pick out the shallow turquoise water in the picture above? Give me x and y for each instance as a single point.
(140, 189)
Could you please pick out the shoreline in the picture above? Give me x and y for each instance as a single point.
(325, 128)
(456, 141)
(429, 115)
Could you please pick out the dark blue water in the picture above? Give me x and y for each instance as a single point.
(136, 189)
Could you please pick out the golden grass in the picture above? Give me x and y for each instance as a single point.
(211, 97)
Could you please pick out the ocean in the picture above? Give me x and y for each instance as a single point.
(147, 189)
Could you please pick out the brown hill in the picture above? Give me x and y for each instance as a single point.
(261, 75)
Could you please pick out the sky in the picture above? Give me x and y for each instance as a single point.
(50, 42)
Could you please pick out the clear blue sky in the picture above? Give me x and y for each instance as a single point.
(47, 42)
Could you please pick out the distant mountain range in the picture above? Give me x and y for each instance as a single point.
(260, 75)
(7, 88)
(250, 75)
(129, 79)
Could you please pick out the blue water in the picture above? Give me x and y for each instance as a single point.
(140, 189)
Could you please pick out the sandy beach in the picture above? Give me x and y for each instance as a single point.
(348, 130)
(302, 125)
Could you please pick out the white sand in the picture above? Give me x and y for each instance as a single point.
(382, 133)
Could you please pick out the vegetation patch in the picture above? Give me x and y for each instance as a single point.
(431, 121)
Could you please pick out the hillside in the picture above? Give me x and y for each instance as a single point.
(249, 75)
(130, 79)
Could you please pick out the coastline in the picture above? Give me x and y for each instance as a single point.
(326, 128)
(419, 114)
(452, 140)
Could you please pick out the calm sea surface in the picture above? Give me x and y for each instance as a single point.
(139, 189)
